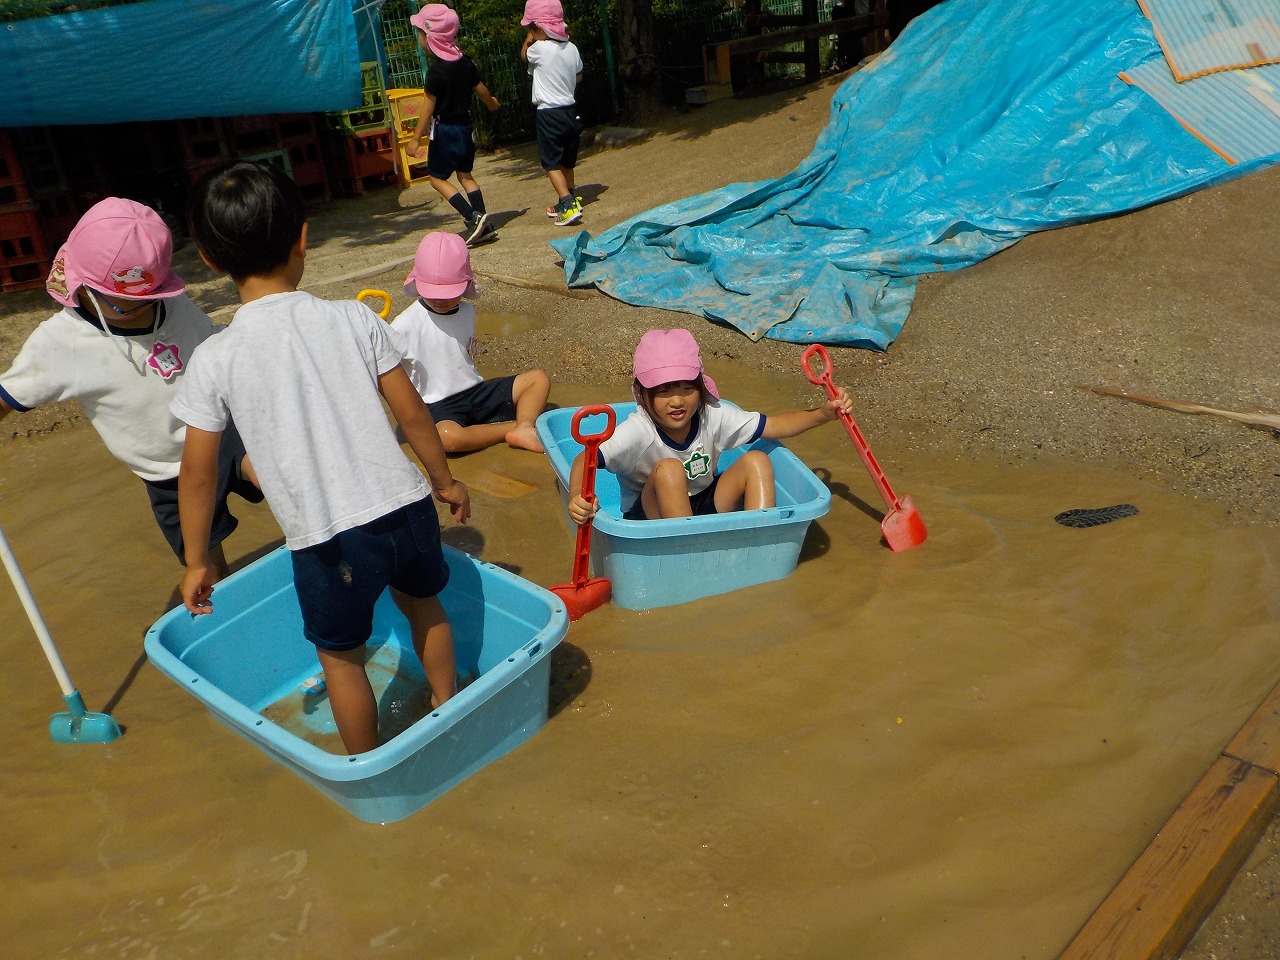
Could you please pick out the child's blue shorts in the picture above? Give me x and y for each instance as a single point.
(452, 150)
(559, 131)
(340, 580)
(489, 401)
(163, 495)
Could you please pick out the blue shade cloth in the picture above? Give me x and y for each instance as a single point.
(986, 120)
(1237, 113)
(1204, 36)
(166, 59)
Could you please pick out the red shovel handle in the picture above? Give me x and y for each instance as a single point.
(591, 444)
(868, 459)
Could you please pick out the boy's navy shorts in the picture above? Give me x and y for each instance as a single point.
(559, 130)
(340, 580)
(489, 401)
(164, 495)
(703, 503)
(452, 150)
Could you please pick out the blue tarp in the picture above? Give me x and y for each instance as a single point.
(985, 121)
(165, 59)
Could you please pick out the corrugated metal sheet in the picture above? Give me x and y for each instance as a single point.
(1205, 36)
(1236, 113)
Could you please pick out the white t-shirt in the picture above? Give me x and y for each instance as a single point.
(122, 383)
(637, 445)
(439, 348)
(554, 66)
(299, 376)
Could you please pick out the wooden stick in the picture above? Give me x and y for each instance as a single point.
(1269, 419)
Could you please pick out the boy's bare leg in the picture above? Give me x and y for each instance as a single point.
(433, 642)
(442, 187)
(747, 485)
(355, 709)
(467, 182)
(529, 392)
(666, 492)
(219, 561)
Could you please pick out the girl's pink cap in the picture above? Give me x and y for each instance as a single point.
(440, 24)
(668, 356)
(441, 269)
(119, 247)
(549, 15)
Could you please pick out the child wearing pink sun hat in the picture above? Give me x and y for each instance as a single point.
(665, 454)
(471, 413)
(446, 119)
(119, 348)
(556, 67)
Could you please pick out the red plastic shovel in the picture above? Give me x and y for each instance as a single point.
(583, 595)
(902, 526)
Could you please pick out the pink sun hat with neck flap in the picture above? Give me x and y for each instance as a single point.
(669, 356)
(120, 247)
(547, 14)
(440, 24)
(441, 269)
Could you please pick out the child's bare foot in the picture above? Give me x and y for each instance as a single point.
(524, 437)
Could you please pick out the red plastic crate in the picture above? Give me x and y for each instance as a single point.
(59, 213)
(24, 276)
(201, 140)
(21, 240)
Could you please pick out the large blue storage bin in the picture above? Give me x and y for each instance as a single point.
(249, 656)
(659, 563)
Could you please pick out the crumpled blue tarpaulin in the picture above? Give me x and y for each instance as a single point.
(985, 121)
(165, 59)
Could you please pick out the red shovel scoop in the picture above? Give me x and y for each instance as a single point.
(583, 595)
(902, 526)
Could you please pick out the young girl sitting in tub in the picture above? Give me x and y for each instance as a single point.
(664, 455)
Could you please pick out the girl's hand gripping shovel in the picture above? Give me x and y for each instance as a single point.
(902, 526)
(583, 595)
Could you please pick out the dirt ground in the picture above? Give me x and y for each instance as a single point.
(1177, 301)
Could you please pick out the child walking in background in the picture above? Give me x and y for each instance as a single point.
(304, 378)
(470, 412)
(446, 118)
(665, 453)
(556, 68)
(119, 348)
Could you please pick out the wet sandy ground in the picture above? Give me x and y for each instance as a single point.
(954, 751)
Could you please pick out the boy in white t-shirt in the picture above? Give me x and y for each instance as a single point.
(556, 68)
(119, 348)
(471, 412)
(304, 379)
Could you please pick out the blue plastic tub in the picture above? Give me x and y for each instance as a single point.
(248, 663)
(659, 563)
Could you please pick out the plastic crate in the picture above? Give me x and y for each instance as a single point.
(250, 666)
(23, 276)
(59, 213)
(411, 170)
(406, 106)
(353, 123)
(21, 240)
(659, 563)
(201, 140)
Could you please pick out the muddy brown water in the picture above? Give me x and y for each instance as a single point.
(950, 752)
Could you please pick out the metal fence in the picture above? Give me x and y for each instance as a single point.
(681, 29)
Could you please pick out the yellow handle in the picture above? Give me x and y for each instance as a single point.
(364, 295)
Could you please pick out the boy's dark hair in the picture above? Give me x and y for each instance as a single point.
(245, 217)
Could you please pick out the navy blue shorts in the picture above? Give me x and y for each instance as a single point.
(704, 504)
(340, 580)
(452, 150)
(559, 131)
(489, 401)
(163, 495)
